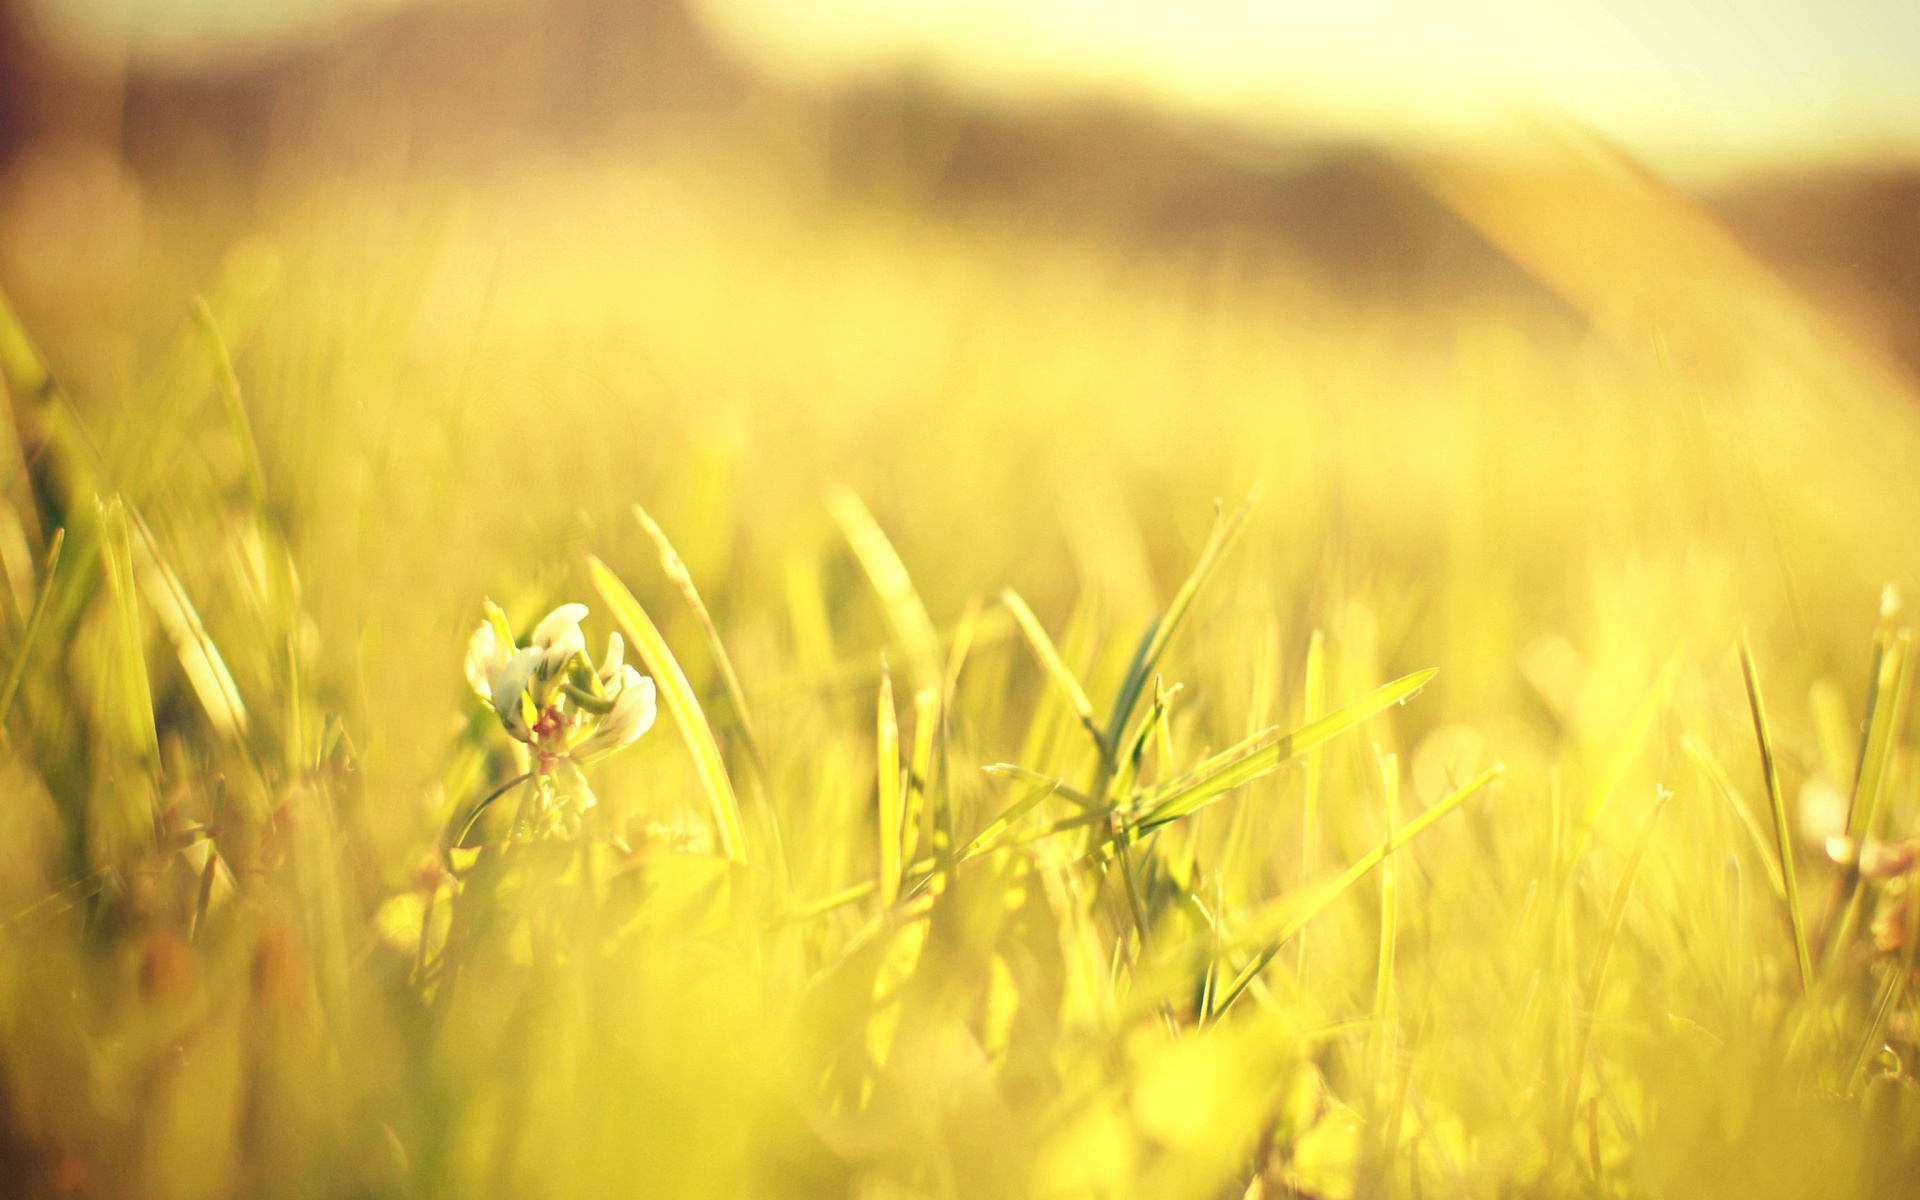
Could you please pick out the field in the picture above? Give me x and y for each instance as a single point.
(1127, 724)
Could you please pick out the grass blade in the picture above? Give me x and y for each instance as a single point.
(926, 724)
(1638, 726)
(1389, 909)
(1226, 530)
(676, 570)
(1055, 667)
(1297, 918)
(983, 841)
(1782, 837)
(133, 696)
(887, 779)
(905, 612)
(1718, 780)
(1616, 916)
(1036, 779)
(205, 669)
(1315, 708)
(35, 621)
(1209, 782)
(680, 701)
(232, 405)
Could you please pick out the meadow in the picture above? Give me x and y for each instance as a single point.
(1129, 723)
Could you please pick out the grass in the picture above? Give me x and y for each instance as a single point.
(1004, 826)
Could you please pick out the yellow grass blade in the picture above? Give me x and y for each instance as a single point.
(1213, 779)
(1717, 778)
(1037, 791)
(1616, 916)
(205, 669)
(131, 698)
(1783, 838)
(36, 620)
(1315, 707)
(1055, 667)
(1226, 530)
(678, 695)
(892, 802)
(1296, 918)
(231, 403)
(905, 613)
(676, 571)
(1631, 741)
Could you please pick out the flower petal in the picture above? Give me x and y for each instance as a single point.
(484, 660)
(634, 708)
(616, 656)
(559, 623)
(508, 688)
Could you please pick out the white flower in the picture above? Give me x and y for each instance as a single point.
(610, 665)
(488, 651)
(588, 718)
(632, 715)
(557, 638)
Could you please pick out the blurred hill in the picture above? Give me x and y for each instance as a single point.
(447, 90)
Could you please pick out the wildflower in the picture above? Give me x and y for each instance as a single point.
(550, 695)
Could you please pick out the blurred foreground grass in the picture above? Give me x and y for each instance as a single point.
(258, 942)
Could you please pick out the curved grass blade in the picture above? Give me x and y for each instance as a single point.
(676, 570)
(887, 779)
(35, 621)
(1226, 530)
(1630, 742)
(905, 612)
(1055, 667)
(1389, 905)
(1036, 779)
(680, 701)
(231, 404)
(1297, 918)
(986, 838)
(1717, 778)
(205, 669)
(1315, 708)
(1213, 779)
(133, 696)
(1616, 916)
(1783, 839)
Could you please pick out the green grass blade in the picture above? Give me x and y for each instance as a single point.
(228, 385)
(1226, 530)
(132, 697)
(1616, 916)
(1717, 778)
(1389, 909)
(1297, 918)
(1055, 667)
(887, 779)
(200, 658)
(678, 695)
(1638, 726)
(1035, 779)
(1315, 708)
(1209, 782)
(1037, 791)
(905, 612)
(36, 620)
(1883, 736)
(676, 570)
(1783, 838)
(920, 767)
